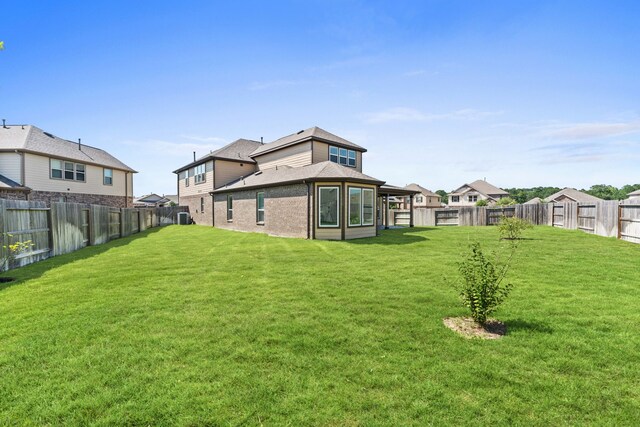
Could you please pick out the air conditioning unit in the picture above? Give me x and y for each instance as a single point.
(183, 218)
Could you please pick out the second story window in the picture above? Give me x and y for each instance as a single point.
(455, 199)
(107, 176)
(67, 170)
(342, 156)
(199, 174)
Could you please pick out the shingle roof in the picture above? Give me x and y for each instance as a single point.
(422, 190)
(634, 193)
(483, 187)
(306, 135)
(282, 175)
(32, 139)
(574, 194)
(238, 151)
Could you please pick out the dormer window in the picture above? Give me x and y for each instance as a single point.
(342, 156)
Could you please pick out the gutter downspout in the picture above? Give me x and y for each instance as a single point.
(213, 209)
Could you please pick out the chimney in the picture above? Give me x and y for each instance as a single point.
(79, 144)
(194, 156)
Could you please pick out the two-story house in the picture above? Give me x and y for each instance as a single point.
(36, 165)
(470, 194)
(309, 184)
(423, 199)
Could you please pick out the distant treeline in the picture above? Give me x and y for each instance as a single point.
(603, 191)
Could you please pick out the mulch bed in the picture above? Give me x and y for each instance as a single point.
(493, 329)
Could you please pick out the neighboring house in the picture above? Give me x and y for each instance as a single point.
(423, 198)
(571, 195)
(634, 195)
(36, 165)
(309, 184)
(470, 194)
(151, 201)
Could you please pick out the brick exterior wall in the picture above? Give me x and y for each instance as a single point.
(285, 211)
(94, 199)
(13, 195)
(195, 209)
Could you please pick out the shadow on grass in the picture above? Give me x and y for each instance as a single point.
(396, 236)
(37, 269)
(525, 326)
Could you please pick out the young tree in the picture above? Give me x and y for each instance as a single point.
(481, 288)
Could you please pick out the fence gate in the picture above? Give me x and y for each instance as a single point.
(558, 216)
(401, 217)
(587, 218)
(629, 222)
(447, 217)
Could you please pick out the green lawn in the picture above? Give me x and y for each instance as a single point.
(192, 325)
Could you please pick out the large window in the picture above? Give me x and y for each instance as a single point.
(107, 176)
(199, 174)
(342, 156)
(260, 207)
(67, 170)
(329, 207)
(361, 205)
(455, 199)
(229, 207)
(473, 198)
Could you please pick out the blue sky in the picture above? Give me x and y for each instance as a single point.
(440, 92)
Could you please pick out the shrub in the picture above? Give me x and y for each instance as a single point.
(506, 201)
(481, 289)
(511, 228)
(9, 250)
(482, 202)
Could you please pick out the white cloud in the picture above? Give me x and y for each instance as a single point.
(198, 138)
(402, 114)
(592, 130)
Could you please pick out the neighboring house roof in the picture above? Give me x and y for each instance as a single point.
(11, 184)
(534, 201)
(634, 193)
(303, 136)
(31, 139)
(151, 198)
(283, 175)
(237, 151)
(483, 187)
(575, 195)
(420, 189)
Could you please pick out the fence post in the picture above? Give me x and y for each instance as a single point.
(619, 221)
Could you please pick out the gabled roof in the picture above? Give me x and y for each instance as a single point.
(151, 198)
(575, 195)
(422, 190)
(306, 135)
(534, 201)
(31, 139)
(237, 151)
(634, 193)
(483, 187)
(283, 175)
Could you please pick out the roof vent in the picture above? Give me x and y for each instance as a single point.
(3, 123)
(48, 134)
(257, 173)
(300, 132)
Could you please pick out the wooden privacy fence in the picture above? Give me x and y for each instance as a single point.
(67, 227)
(606, 218)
